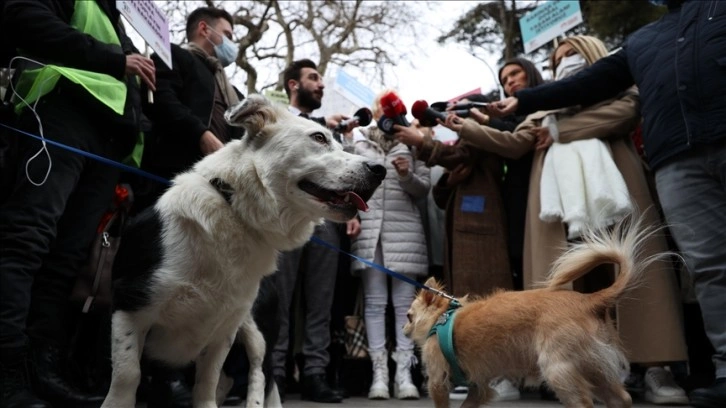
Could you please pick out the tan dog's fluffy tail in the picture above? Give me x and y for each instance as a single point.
(621, 245)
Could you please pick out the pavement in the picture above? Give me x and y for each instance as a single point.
(527, 401)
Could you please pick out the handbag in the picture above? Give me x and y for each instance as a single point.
(356, 344)
(93, 289)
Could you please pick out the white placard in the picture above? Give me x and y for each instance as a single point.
(151, 24)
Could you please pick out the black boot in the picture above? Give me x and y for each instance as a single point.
(710, 397)
(15, 382)
(51, 379)
(316, 388)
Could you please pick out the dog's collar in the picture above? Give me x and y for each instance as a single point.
(223, 188)
(444, 330)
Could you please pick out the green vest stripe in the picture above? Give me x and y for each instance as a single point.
(87, 18)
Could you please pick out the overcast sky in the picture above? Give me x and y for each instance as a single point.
(446, 71)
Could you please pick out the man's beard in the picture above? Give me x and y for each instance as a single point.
(306, 99)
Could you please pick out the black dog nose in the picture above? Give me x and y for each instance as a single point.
(378, 170)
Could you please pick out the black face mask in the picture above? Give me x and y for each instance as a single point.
(307, 100)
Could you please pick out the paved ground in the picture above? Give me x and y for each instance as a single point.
(528, 401)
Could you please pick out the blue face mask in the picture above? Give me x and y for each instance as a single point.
(659, 2)
(226, 52)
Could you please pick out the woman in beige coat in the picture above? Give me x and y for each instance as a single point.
(649, 319)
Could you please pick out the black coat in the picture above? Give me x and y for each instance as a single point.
(41, 28)
(679, 65)
(181, 113)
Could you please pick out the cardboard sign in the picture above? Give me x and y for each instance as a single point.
(151, 24)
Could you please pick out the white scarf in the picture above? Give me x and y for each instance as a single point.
(580, 183)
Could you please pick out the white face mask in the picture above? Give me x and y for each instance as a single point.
(569, 66)
(226, 52)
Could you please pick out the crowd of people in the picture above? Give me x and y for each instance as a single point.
(639, 130)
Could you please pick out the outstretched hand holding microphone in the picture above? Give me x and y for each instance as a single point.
(506, 106)
(362, 117)
(451, 119)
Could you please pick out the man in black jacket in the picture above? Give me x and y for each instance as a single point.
(191, 97)
(315, 266)
(57, 197)
(679, 65)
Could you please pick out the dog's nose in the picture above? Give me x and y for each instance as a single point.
(378, 170)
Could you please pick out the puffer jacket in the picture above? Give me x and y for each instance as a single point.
(679, 65)
(393, 215)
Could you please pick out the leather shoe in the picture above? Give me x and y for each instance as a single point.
(316, 388)
(710, 397)
(14, 385)
(22, 399)
(51, 382)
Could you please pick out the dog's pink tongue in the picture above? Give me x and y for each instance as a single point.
(359, 203)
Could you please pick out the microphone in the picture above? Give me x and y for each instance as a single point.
(362, 115)
(425, 115)
(461, 110)
(394, 113)
(469, 105)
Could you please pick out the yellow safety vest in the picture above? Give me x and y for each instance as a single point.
(87, 18)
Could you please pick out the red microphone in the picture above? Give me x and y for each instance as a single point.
(394, 113)
(392, 105)
(425, 115)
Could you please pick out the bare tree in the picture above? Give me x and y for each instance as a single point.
(493, 26)
(271, 34)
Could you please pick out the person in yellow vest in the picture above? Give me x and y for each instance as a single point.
(78, 84)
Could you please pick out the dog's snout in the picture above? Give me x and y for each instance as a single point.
(378, 170)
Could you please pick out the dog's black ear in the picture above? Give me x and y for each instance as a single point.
(252, 114)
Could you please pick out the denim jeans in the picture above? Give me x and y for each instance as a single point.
(692, 191)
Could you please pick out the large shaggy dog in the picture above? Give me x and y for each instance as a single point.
(554, 334)
(192, 265)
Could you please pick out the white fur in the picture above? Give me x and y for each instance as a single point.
(215, 253)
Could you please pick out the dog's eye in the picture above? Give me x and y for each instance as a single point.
(320, 138)
(409, 316)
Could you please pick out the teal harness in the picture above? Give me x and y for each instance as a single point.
(444, 330)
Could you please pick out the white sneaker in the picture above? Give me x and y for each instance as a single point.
(504, 390)
(661, 389)
(459, 393)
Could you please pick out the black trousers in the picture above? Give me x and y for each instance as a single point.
(46, 230)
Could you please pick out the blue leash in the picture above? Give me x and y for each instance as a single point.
(162, 180)
(385, 270)
(96, 157)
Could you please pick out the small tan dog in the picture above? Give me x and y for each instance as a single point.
(554, 334)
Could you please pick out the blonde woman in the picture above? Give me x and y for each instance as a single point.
(649, 320)
(392, 235)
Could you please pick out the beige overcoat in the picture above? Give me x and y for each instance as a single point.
(649, 318)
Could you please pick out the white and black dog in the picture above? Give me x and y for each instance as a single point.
(191, 267)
